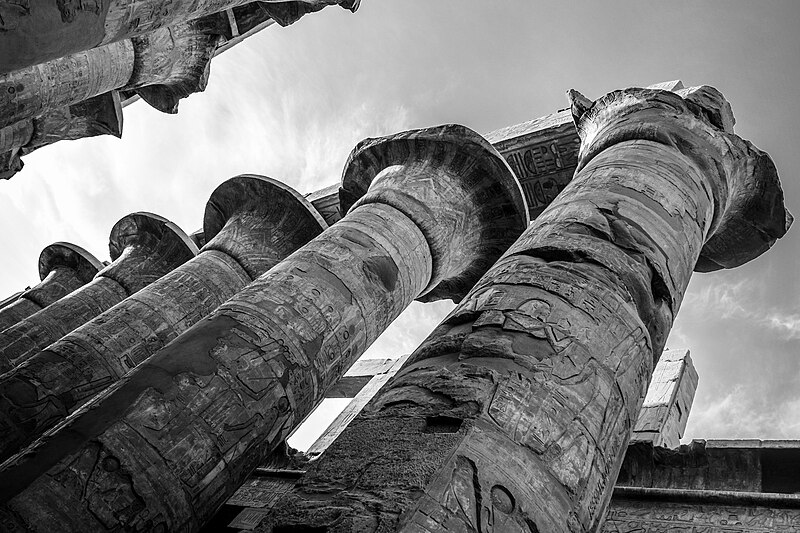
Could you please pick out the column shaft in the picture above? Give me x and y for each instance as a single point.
(42, 31)
(33, 91)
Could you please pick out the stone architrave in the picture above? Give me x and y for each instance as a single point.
(514, 414)
(63, 267)
(143, 247)
(176, 437)
(668, 401)
(253, 222)
(35, 32)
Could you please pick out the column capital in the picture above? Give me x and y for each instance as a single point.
(258, 206)
(64, 254)
(467, 193)
(749, 214)
(157, 244)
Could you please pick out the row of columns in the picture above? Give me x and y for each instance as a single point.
(65, 63)
(513, 414)
(143, 246)
(63, 267)
(252, 222)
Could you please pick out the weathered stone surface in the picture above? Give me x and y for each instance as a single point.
(39, 89)
(514, 414)
(35, 32)
(253, 223)
(668, 401)
(143, 246)
(696, 466)
(703, 513)
(174, 62)
(176, 436)
(101, 115)
(63, 267)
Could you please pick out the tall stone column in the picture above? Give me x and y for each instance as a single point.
(63, 267)
(143, 246)
(253, 222)
(35, 32)
(175, 437)
(514, 414)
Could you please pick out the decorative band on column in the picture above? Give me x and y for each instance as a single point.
(253, 223)
(143, 247)
(63, 267)
(208, 407)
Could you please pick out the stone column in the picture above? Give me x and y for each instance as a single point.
(63, 267)
(143, 246)
(176, 436)
(514, 414)
(40, 31)
(253, 222)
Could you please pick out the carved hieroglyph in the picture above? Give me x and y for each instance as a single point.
(175, 437)
(63, 267)
(253, 222)
(33, 32)
(513, 415)
(143, 246)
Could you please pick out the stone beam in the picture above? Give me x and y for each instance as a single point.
(436, 207)
(543, 153)
(36, 32)
(514, 414)
(358, 402)
(358, 375)
(253, 222)
(63, 267)
(143, 247)
(668, 401)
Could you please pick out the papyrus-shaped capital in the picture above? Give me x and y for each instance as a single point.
(455, 186)
(749, 213)
(144, 247)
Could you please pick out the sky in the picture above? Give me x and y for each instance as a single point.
(291, 103)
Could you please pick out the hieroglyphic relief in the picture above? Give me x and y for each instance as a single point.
(632, 516)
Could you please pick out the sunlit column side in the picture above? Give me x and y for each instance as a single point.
(63, 267)
(41, 31)
(253, 223)
(514, 414)
(175, 437)
(143, 247)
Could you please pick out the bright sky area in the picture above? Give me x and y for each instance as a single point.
(291, 103)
